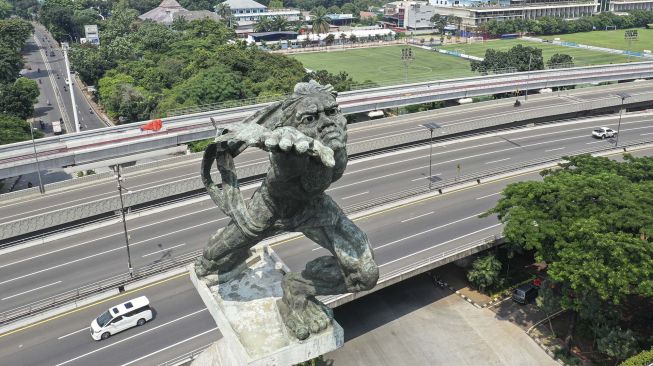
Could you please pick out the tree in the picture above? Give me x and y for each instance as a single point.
(275, 4)
(560, 60)
(548, 301)
(18, 98)
(5, 9)
(643, 358)
(618, 344)
(597, 243)
(329, 39)
(485, 272)
(14, 129)
(224, 11)
(89, 62)
(440, 22)
(264, 24)
(320, 20)
(340, 82)
(518, 58)
(279, 23)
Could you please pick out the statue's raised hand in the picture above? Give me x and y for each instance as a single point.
(286, 139)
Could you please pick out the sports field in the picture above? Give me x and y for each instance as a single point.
(582, 57)
(383, 65)
(610, 39)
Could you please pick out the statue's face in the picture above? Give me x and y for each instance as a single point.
(318, 116)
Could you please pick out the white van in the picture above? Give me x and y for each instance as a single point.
(124, 316)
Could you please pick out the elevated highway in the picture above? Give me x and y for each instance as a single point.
(30, 203)
(98, 252)
(111, 142)
(182, 324)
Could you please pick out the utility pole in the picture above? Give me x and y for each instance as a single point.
(70, 84)
(407, 57)
(124, 221)
(431, 127)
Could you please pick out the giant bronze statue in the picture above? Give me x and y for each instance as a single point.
(305, 136)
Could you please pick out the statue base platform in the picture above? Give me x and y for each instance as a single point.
(253, 332)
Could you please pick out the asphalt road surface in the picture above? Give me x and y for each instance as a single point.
(362, 132)
(33, 273)
(399, 236)
(44, 53)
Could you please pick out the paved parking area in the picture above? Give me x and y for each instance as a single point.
(415, 323)
(525, 316)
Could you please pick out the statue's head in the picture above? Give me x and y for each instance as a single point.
(313, 110)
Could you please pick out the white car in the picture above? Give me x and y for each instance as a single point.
(603, 132)
(130, 314)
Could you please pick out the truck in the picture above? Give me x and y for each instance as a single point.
(56, 128)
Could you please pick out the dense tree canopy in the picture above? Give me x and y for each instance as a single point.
(591, 221)
(144, 69)
(14, 129)
(17, 94)
(518, 58)
(550, 25)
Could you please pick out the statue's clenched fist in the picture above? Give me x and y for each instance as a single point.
(286, 139)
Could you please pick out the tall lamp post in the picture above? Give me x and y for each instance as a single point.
(124, 221)
(528, 75)
(431, 127)
(407, 57)
(623, 97)
(36, 157)
(70, 83)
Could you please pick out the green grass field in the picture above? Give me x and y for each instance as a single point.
(610, 39)
(384, 66)
(581, 57)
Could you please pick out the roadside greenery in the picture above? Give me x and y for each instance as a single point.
(17, 94)
(590, 221)
(644, 358)
(143, 69)
(550, 25)
(485, 273)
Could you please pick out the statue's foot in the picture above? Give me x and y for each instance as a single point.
(213, 273)
(314, 317)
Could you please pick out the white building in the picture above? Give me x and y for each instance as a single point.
(626, 5)
(91, 34)
(251, 11)
(413, 15)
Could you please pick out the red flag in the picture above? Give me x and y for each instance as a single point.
(153, 125)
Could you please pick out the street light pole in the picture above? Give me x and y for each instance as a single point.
(431, 127)
(36, 157)
(623, 97)
(124, 221)
(528, 75)
(70, 84)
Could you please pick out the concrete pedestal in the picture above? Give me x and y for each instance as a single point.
(245, 310)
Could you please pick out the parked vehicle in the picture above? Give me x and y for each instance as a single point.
(524, 293)
(603, 132)
(132, 313)
(56, 128)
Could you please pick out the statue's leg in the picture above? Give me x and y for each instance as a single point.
(351, 268)
(228, 249)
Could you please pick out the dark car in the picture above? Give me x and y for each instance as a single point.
(524, 293)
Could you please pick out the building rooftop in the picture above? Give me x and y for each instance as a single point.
(244, 4)
(169, 10)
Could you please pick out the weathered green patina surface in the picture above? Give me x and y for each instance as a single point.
(306, 136)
